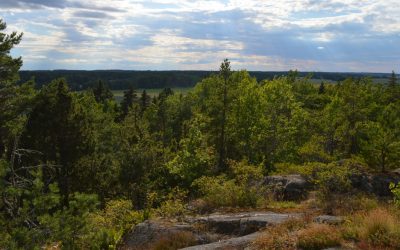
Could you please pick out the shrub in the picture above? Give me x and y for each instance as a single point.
(239, 191)
(395, 188)
(318, 236)
(219, 191)
(290, 168)
(109, 225)
(173, 206)
(335, 190)
(345, 204)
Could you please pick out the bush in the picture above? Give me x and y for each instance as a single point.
(395, 188)
(173, 206)
(335, 190)
(109, 225)
(219, 191)
(240, 191)
(318, 236)
(290, 168)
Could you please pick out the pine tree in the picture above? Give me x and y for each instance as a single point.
(321, 88)
(13, 98)
(130, 97)
(393, 89)
(225, 73)
(145, 100)
(392, 80)
(165, 93)
(101, 92)
(9, 66)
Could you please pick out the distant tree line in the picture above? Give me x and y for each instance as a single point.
(123, 79)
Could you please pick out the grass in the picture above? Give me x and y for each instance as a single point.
(175, 241)
(281, 236)
(118, 94)
(376, 229)
(318, 236)
(299, 234)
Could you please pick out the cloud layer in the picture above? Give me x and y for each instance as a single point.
(309, 35)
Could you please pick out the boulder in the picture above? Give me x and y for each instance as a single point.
(374, 184)
(288, 187)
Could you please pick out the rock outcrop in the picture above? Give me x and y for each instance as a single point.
(216, 231)
(296, 187)
(288, 187)
(240, 223)
(242, 242)
(375, 184)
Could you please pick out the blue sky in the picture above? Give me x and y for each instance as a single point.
(308, 35)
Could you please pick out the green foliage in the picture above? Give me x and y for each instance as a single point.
(333, 178)
(110, 224)
(9, 66)
(174, 204)
(335, 190)
(102, 93)
(194, 159)
(220, 191)
(395, 188)
(381, 148)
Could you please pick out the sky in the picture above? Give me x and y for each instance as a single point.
(265, 35)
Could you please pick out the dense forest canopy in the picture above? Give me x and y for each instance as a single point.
(69, 160)
(123, 79)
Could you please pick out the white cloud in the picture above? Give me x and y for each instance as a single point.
(198, 34)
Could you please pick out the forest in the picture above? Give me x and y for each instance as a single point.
(78, 170)
(123, 79)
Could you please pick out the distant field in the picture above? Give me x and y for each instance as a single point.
(118, 94)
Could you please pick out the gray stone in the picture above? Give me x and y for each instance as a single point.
(374, 184)
(234, 243)
(240, 228)
(241, 223)
(329, 219)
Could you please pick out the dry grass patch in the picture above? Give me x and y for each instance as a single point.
(378, 229)
(318, 236)
(280, 237)
(174, 241)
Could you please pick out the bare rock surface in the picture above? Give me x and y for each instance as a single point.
(329, 219)
(242, 242)
(241, 223)
(215, 231)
